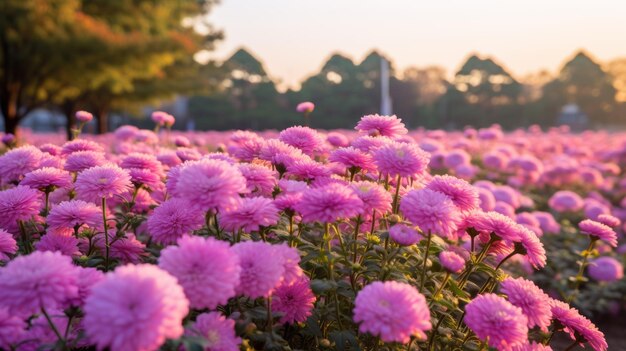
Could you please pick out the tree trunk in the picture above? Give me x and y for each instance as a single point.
(103, 120)
(9, 109)
(69, 110)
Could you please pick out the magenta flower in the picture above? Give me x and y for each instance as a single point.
(249, 215)
(599, 231)
(577, 325)
(210, 184)
(217, 331)
(207, 270)
(15, 163)
(353, 159)
(172, 220)
(143, 161)
(83, 116)
(566, 201)
(12, 329)
(80, 145)
(260, 180)
(39, 280)
(496, 320)
(376, 125)
(535, 252)
(18, 204)
(100, 182)
(452, 261)
(294, 301)
(262, 269)
(82, 160)
(291, 262)
(606, 269)
(609, 220)
(463, 195)
(146, 303)
(75, 213)
(47, 179)
(305, 107)
(401, 159)
(535, 303)
(8, 245)
(404, 235)
(374, 197)
(308, 140)
(329, 203)
(431, 211)
(60, 242)
(393, 311)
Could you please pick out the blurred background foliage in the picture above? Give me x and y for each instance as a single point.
(124, 58)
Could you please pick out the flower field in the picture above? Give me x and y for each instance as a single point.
(378, 238)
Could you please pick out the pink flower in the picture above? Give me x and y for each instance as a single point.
(599, 231)
(39, 280)
(547, 222)
(58, 241)
(353, 159)
(609, 220)
(15, 163)
(47, 179)
(535, 304)
(146, 303)
(374, 197)
(535, 252)
(295, 301)
(307, 169)
(100, 182)
(305, 107)
(207, 270)
(463, 195)
(566, 201)
(12, 329)
(75, 213)
(249, 215)
(83, 116)
(401, 159)
(87, 278)
(304, 138)
(376, 125)
(431, 211)
(393, 311)
(8, 245)
(143, 161)
(80, 145)
(496, 320)
(452, 261)
(127, 249)
(576, 325)
(291, 260)
(159, 117)
(210, 184)
(173, 219)
(18, 204)
(606, 269)
(404, 235)
(262, 269)
(329, 203)
(260, 180)
(82, 160)
(492, 222)
(217, 332)
(337, 139)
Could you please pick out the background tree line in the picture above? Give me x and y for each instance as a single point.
(120, 56)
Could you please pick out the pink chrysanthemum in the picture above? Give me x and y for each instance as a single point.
(353, 159)
(168, 159)
(260, 180)
(329, 203)
(207, 270)
(8, 245)
(172, 220)
(305, 107)
(566, 201)
(142, 161)
(609, 220)
(47, 179)
(295, 301)
(100, 182)
(75, 213)
(431, 211)
(576, 325)
(126, 132)
(146, 303)
(462, 194)
(82, 160)
(15, 163)
(337, 139)
(452, 261)
(535, 303)
(304, 138)
(291, 260)
(599, 231)
(249, 214)
(217, 331)
(307, 169)
(80, 145)
(606, 269)
(393, 311)
(87, 278)
(51, 149)
(535, 252)
(493, 222)
(39, 280)
(83, 116)
(127, 249)
(547, 222)
(144, 177)
(188, 154)
(404, 235)
(12, 329)
(58, 241)
(374, 197)
(18, 204)
(376, 125)
(405, 160)
(493, 318)
(262, 269)
(210, 184)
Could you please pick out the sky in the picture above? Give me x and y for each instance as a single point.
(294, 37)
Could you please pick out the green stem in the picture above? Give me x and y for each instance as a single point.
(581, 270)
(106, 234)
(356, 237)
(46, 205)
(54, 327)
(443, 284)
(394, 206)
(268, 326)
(373, 222)
(423, 278)
(25, 238)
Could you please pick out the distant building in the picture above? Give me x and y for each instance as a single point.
(572, 116)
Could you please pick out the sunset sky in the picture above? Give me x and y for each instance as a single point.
(294, 37)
